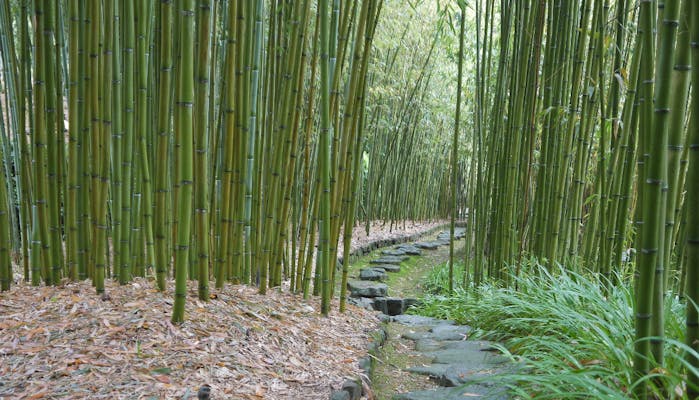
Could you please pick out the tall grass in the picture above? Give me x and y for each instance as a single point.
(572, 335)
(437, 281)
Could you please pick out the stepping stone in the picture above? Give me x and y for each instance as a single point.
(389, 260)
(429, 344)
(409, 302)
(441, 333)
(362, 302)
(419, 320)
(451, 375)
(468, 358)
(431, 245)
(475, 391)
(373, 274)
(409, 249)
(455, 332)
(424, 345)
(388, 267)
(389, 305)
(367, 289)
(393, 252)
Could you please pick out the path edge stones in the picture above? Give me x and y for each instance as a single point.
(379, 243)
(355, 387)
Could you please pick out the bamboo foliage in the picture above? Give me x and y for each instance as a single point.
(582, 154)
(180, 114)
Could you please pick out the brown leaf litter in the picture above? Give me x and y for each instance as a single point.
(66, 342)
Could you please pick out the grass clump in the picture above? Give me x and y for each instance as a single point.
(572, 335)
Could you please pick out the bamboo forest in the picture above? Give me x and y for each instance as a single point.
(349, 199)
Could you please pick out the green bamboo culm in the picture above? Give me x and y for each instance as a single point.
(201, 179)
(72, 237)
(692, 249)
(162, 188)
(101, 136)
(455, 145)
(117, 146)
(227, 155)
(123, 151)
(324, 159)
(650, 184)
(184, 128)
(5, 238)
(41, 254)
(667, 33)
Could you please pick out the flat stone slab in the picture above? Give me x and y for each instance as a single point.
(441, 333)
(430, 344)
(431, 245)
(455, 332)
(388, 267)
(367, 289)
(373, 274)
(451, 375)
(475, 391)
(393, 252)
(389, 260)
(459, 233)
(467, 358)
(409, 249)
(419, 320)
(424, 345)
(363, 302)
(389, 305)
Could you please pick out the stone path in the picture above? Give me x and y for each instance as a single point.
(455, 365)
(370, 292)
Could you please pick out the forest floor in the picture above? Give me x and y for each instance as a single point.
(67, 342)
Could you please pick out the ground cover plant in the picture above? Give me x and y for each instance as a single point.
(571, 334)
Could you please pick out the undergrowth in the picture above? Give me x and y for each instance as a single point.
(571, 338)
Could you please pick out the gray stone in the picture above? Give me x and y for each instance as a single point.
(428, 344)
(388, 267)
(354, 389)
(455, 332)
(389, 260)
(480, 345)
(384, 318)
(459, 233)
(419, 320)
(456, 375)
(467, 358)
(420, 335)
(389, 305)
(409, 302)
(431, 370)
(409, 249)
(394, 305)
(363, 302)
(365, 365)
(380, 305)
(373, 274)
(455, 393)
(393, 252)
(367, 289)
(431, 344)
(339, 395)
(431, 245)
